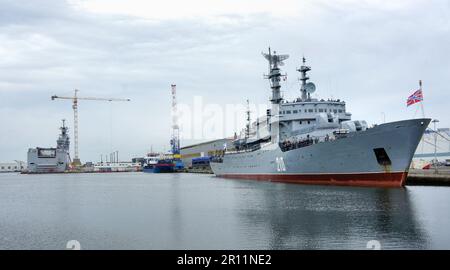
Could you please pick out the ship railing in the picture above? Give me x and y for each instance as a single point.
(291, 145)
(245, 149)
(288, 145)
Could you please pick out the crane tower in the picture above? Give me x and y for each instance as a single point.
(175, 140)
(75, 98)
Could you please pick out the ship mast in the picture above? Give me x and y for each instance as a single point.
(247, 130)
(303, 69)
(274, 77)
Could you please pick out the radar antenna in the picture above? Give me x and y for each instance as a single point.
(274, 73)
(274, 59)
(274, 77)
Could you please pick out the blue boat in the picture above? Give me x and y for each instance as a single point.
(150, 161)
(162, 166)
(148, 168)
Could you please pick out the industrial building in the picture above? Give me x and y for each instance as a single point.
(204, 149)
(15, 166)
(434, 145)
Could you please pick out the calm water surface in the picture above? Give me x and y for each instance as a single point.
(187, 211)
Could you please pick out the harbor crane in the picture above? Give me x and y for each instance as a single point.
(175, 141)
(75, 98)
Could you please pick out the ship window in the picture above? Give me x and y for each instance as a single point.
(306, 110)
(310, 110)
(335, 111)
(382, 157)
(300, 122)
(46, 152)
(340, 111)
(309, 122)
(320, 110)
(295, 111)
(288, 112)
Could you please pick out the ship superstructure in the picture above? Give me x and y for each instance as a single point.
(314, 141)
(51, 160)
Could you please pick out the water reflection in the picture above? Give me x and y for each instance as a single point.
(186, 211)
(311, 217)
(175, 210)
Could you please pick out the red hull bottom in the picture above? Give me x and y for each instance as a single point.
(394, 179)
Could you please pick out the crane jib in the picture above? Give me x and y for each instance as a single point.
(75, 98)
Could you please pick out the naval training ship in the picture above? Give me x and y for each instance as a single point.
(311, 141)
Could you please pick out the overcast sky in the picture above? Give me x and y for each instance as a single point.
(369, 53)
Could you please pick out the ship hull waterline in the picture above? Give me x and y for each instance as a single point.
(347, 161)
(392, 179)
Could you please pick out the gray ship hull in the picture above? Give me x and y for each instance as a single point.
(352, 160)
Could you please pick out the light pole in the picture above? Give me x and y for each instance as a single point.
(19, 165)
(435, 144)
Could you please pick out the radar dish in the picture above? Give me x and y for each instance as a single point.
(274, 58)
(267, 56)
(310, 87)
(282, 57)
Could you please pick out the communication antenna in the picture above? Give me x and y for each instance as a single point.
(307, 88)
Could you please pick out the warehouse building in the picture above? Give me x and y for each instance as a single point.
(429, 150)
(16, 166)
(204, 149)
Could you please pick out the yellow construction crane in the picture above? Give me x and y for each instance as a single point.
(75, 98)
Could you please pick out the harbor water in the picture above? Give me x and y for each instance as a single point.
(198, 211)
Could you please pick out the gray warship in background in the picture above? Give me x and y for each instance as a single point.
(50, 160)
(313, 141)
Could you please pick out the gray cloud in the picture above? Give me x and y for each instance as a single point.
(370, 57)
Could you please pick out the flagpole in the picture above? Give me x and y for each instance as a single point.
(415, 112)
(421, 103)
(423, 113)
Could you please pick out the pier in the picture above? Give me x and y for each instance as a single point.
(439, 176)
